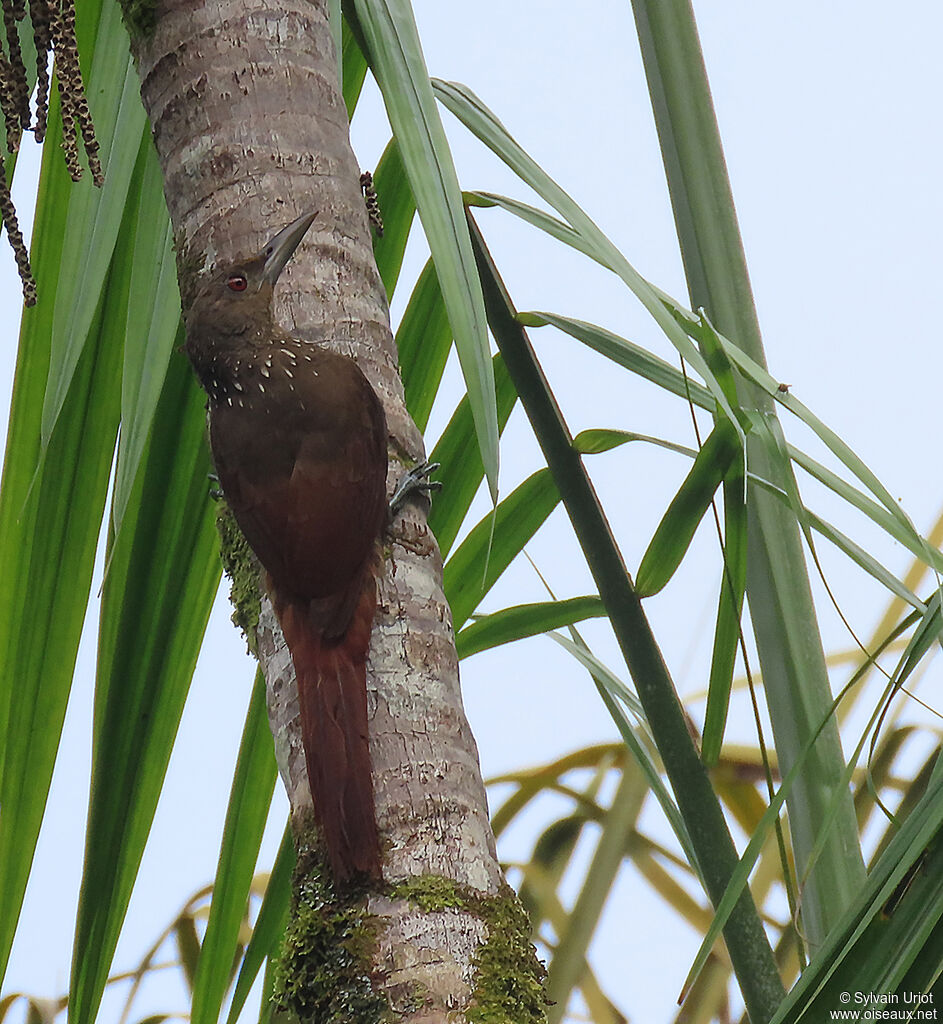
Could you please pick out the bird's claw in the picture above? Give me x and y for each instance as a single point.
(414, 481)
(216, 492)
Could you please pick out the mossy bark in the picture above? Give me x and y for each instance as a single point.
(329, 970)
(243, 571)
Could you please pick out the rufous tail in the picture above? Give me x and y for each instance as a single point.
(332, 692)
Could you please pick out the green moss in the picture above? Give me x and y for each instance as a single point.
(431, 893)
(509, 979)
(242, 568)
(140, 17)
(322, 975)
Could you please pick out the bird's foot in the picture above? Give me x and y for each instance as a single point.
(216, 492)
(414, 481)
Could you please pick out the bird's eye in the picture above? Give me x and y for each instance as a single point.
(237, 282)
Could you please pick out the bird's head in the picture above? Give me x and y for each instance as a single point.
(237, 297)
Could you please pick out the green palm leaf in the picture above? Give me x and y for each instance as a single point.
(153, 325)
(495, 542)
(51, 507)
(395, 56)
(152, 622)
(524, 620)
(462, 469)
(249, 803)
(94, 215)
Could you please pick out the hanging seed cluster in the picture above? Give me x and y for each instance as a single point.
(373, 202)
(53, 24)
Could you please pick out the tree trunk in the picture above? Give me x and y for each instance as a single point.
(251, 131)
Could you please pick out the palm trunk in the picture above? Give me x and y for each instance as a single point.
(251, 131)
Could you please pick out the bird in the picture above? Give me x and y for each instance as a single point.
(299, 442)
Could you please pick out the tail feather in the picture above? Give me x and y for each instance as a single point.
(332, 692)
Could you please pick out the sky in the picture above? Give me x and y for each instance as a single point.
(829, 115)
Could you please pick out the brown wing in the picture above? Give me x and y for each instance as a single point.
(305, 475)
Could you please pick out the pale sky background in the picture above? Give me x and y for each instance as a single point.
(829, 114)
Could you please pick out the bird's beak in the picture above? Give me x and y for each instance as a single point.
(279, 250)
